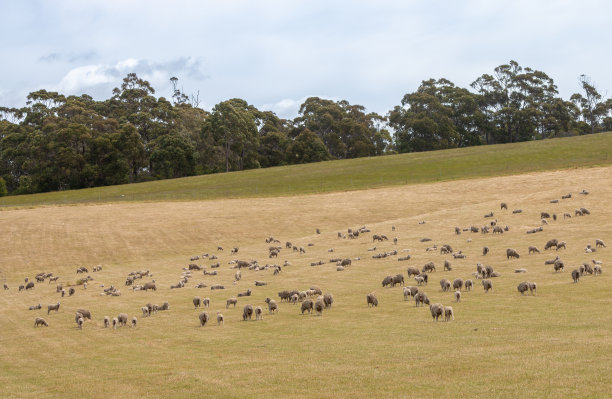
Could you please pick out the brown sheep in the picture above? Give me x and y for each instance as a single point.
(307, 305)
(397, 279)
(413, 271)
(387, 281)
(203, 318)
(39, 321)
(487, 285)
(247, 312)
(599, 243)
(53, 307)
(551, 243)
(503, 206)
(445, 284)
(428, 267)
(29, 286)
(371, 299)
(437, 310)
(511, 253)
(197, 302)
(576, 275)
(448, 313)
(150, 286)
(421, 298)
(533, 249)
(231, 301)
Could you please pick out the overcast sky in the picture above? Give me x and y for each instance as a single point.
(274, 54)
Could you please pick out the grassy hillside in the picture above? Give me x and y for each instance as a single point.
(495, 160)
(554, 344)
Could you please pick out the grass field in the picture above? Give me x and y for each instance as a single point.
(353, 174)
(554, 344)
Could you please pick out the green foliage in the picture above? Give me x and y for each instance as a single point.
(3, 190)
(307, 147)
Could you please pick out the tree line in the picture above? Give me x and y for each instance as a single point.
(59, 142)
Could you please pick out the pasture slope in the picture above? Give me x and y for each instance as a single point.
(553, 344)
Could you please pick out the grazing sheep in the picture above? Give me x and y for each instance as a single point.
(39, 321)
(307, 305)
(567, 215)
(599, 243)
(503, 206)
(445, 284)
(106, 321)
(197, 302)
(457, 230)
(220, 320)
(29, 286)
(71, 291)
(437, 310)
(447, 266)
(6, 287)
(578, 212)
(419, 280)
(585, 211)
(371, 299)
(85, 313)
(115, 323)
(596, 270)
(532, 287)
(387, 281)
(458, 284)
(421, 297)
(448, 313)
(413, 271)
(544, 215)
(122, 319)
(561, 244)
(485, 250)
(231, 301)
(487, 285)
(498, 230)
(511, 253)
(53, 307)
(328, 300)
(145, 311)
(206, 302)
(134, 321)
(272, 305)
(149, 286)
(204, 318)
(523, 287)
(457, 296)
(36, 307)
(247, 312)
(398, 279)
(428, 267)
(533, 249)
(558, 265)
(576, 275)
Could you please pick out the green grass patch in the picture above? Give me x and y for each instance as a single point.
(352, 174)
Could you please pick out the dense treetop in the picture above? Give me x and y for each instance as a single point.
(62, 142)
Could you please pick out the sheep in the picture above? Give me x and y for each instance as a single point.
(35, 307)
(517, 211)
(397, 279)
(122, 319)
(578, 212)
(71, 291)
(217, 287)
(150, 286)
(567, 215)
(558, 265)
(164, 306)
(53, 307)
(428, 267)
(458, 284)
(106, 321)
(487, 285)
(523, 287)
(272, 305)
(489, 215)
(447, 266)
(421, 298)
(596, 270)
(498, 230)
(457, 296)
(260, 283)
(599, 243)
(328, 300)
(85, 313)
(468, 284)
(413, 271)
(511, 253)
(258, 313)
(203, 317)
(446, 249)
(39, 321)
(485, 250)
(585, 211)
(544, 215)
(145, 311)
(6, 287)
(247, 312)
(533, 249)
(521, 270)
(576, 275)
(532, 287)
(503, 206)
(29, 286)
(134, 321)
(561, 244)
(371, 299)
(307, 305)
(457, 230)
(115, 323)
(387, 281)
(419, 280)
(445, 284)
(220, 320)
(437, 310)
(245, 293)
(448, 313)
(231, 301)
(197, 302)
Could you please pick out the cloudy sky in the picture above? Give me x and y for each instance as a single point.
(276, 53)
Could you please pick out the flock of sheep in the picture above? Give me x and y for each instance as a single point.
(313, 299)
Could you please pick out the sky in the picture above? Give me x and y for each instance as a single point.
(274, 54)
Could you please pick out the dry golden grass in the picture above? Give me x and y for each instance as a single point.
(554, 344)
